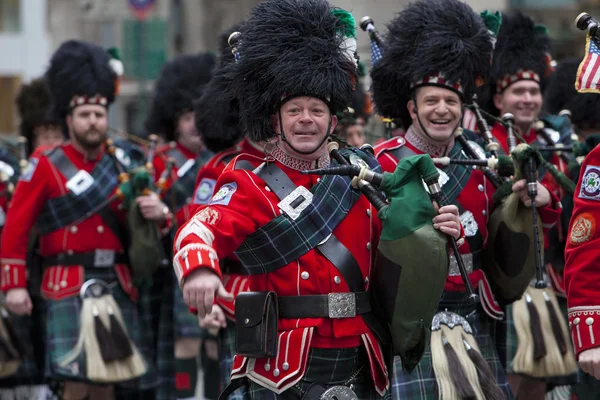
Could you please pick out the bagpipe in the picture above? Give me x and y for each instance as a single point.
(513, 259)
(412, 257)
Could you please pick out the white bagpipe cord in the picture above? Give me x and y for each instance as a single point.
(543, 345)
(460, 370)
(111, 356)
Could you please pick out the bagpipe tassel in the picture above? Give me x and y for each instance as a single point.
(486, 377)
(457, 376)
(110, 354)
(542, 350)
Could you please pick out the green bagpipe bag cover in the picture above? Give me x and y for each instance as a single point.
(412, 259)
(509, 258)
(145, 246)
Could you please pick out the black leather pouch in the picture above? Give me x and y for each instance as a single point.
(256, 316)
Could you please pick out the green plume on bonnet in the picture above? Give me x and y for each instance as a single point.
(493, 21)
(542, 29)
(347, 20)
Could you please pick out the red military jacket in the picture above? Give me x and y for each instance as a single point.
(582, 255)
(204, 188)
(476, 204)
(41, 182)
(241, 204)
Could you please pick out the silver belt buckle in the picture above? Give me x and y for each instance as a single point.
(341, 305)
(104, 258)
(467, 259)
(296, 202)
(338, 393)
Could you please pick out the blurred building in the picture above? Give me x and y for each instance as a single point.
(30, 30)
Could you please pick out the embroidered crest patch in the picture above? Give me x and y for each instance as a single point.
(204, 191)
(583, 229)
(224, 194)
(209, 216)
(28, 173)
(590, 184)
(467, 219)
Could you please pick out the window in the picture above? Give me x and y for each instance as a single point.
(10, 16)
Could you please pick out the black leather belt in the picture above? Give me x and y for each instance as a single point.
(332, 305)
(97, 259)
(232, 267)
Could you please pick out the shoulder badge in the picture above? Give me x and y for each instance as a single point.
(204, 191)
(583, 229)
(590, 183)
(28, 173)
(224, 194)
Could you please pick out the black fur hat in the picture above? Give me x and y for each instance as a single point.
(79, 73)
(180, 84)
(431, 42)
(522, 53)
(33, 103)
(217, 111)
(291, 48)
(561, 95)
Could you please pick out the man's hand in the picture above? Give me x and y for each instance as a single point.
(215, 320)
(447, 221)
(200, 288)
(152, 208)
(589, 361)
(542, 199)
(18, 301)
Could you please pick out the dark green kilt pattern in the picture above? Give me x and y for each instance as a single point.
(328, 367)
(226, 354)
(507, 343)
(62, 330)
(186, 323)
(156, 313)
(421, 383)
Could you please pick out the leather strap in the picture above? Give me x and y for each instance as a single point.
(244, 165)
(332, 248)
(86, 259)
(178, 156)
(317, 306)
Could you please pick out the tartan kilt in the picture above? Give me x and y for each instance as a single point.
(507, 343)
(186, 323)
(62, 329)
(156, 314)
(226, 354)
(421, 384)
(328, 367)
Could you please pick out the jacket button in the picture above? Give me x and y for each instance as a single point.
(73, 229)
(100, 229)
(268, 189)
(285, 366)
(367, 280)
(70, 252)
(246, 321)
(337, 280)
(267, 367)
(7, 267)
(369, 246)
(480, 188)
(305, 275)
(368, 212)
(484, 213)
(276, 372)
(63, 284)
(576, 321)
(589, 321)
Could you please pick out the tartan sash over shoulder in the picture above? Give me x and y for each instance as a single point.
(183, 188)
(64, 210)
(283, 240)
